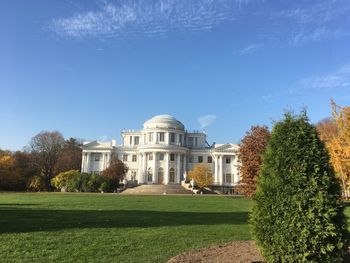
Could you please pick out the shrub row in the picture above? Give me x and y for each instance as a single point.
(74, 181)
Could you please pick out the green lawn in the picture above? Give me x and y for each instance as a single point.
(44, 227)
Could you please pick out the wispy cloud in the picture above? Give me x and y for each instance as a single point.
(340, 78)
(207, 120)
(135, 17)
(316, 21)
(292, 23)
(251, 48)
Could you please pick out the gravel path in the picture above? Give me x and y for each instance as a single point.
(235, 252)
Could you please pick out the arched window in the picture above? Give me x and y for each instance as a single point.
(149, 174)
(160, 175)
(171, 175)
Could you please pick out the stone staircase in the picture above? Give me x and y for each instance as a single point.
(156, 189)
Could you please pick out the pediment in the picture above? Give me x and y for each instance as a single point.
(228, 147)
(96, 145)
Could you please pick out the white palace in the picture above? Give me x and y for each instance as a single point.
(162, 153)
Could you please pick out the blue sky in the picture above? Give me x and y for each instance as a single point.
(92, 68)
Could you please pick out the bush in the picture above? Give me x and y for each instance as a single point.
(62, 180)
(37, 183)
(78, 183)
(105, 187)
(93, 184)
(298, 215)
(74, 181)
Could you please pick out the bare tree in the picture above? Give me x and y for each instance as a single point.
(70, 157)
(115, 172)
(46, 147)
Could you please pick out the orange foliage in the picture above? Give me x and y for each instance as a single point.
(251, 148)
(336, 135)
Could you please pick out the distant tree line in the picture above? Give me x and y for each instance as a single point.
(50, 162)
(47, 154)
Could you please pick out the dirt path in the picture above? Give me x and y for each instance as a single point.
(234, 252)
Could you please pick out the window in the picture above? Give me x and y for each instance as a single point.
(161, 156)
(228, 178)
(180, 138)
(137, 140)
(161, 136)
(125, 157)
(97, 158)
(195, 142)
(150, 175)
(190, 141)
(150, 156)
(172, 175)
(133, 175)
(172, 137)
(130, 140)
(160, 175)
(200, 159)
(134, 158)
(172, 157)
(190, 159)
(228, 160)
(150, 137)
(210, 159)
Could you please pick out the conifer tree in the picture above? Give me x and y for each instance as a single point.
(298, 215)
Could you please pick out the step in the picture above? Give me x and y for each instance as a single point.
(156, 189)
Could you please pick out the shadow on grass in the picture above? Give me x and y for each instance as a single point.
(17, 205)
(17, 220)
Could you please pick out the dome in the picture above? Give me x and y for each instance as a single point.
(163, 121)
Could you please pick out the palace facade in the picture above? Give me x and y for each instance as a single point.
(162, 153)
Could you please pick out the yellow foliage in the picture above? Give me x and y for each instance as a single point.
(9, 175)
(339, 146)
(202, 175)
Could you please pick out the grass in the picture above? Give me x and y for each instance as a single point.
(72, 227)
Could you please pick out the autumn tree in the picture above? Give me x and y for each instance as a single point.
(10, 178)
(201, 175)
(26, 165)
(115, 172)
(251, 148)
(327, 130)
(298, 215)
(47, 147)
(339, 145)
(70, 156)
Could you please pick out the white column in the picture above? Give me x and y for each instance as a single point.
(234, 170)
(166, 179)
(139, 169)
(88, 163)
(216, 171)
(109, 157)
(144, 163)
(103, 161)
(184, 167)
(221, 169)
(83, 160)
(155, 174)
(178, 175)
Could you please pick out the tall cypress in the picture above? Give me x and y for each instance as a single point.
(298, 215)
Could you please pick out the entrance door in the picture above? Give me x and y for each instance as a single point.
(160, 175)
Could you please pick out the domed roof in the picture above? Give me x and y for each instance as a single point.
(163, 121)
